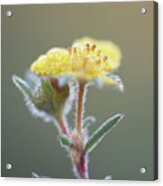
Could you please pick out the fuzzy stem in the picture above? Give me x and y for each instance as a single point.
(80, 101)
(81, 168)
(63, 125)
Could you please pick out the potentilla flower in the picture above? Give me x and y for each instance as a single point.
(86, 60)
(49, 91)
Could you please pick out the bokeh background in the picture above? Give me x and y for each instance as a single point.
(30, 144)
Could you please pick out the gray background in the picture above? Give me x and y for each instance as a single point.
(30, 144)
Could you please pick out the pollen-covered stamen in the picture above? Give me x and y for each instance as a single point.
(105, 58)
(98, 62)
(74, 59)
(74, 50)
(69, 51)
(88, 47)
(93, 47)
(98, 53)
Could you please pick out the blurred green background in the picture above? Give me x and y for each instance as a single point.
(30, 144)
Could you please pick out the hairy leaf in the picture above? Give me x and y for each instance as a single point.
(22, 86)
(100, 133)
(88, 121)
(30, 99)
(32, 79)
(47, 88)
(65, 141)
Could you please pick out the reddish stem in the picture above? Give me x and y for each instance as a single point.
(80, 106)
(81, 168)
(63, 125)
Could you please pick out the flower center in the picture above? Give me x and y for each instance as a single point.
(87, 59)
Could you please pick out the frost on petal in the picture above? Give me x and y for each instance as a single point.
(110, 79)
(117, 81)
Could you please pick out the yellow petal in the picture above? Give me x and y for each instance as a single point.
(54, 62)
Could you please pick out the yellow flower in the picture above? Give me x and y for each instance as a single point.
(108, 49)
(86, 60)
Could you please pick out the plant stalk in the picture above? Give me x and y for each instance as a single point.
(80, 102)
(82, 168)
(63, 125)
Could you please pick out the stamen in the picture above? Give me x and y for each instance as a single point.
(69, 51)
(75, 51)
(98, 53)
(98, 61)
(93, 47)
(88, 47)
(105, 58)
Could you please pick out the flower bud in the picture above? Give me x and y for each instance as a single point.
(45, 97)
(50, 97)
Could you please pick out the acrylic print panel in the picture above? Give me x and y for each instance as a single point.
(87, 108)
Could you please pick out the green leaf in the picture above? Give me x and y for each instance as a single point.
(22, 86)
(100, 133)
(88, 121)
(37, 103)
(65, 141)
(47, 88)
